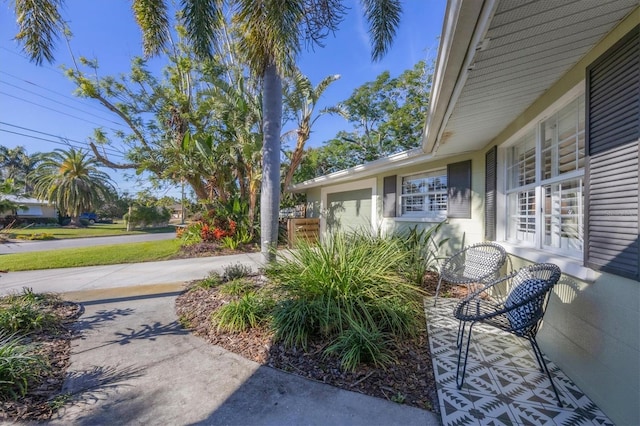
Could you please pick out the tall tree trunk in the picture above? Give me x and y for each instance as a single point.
(270, 194)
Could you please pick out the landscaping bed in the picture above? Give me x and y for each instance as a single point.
(408, 380)
(50, 340)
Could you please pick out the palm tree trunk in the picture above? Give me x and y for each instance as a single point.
(270, 194)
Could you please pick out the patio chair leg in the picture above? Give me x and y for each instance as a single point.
(435, 299)
(460, 333)
(543, 366)
(459, 379)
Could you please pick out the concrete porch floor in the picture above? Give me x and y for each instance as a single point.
(503, 385)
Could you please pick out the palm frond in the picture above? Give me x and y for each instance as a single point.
(383, 17)
(151, 16)
(202, 19)
(39, 25)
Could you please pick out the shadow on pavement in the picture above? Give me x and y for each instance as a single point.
(150, 332)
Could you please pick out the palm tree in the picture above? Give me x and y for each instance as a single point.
(71, 179)
(271, 33)
(300, 98)
(16, 164)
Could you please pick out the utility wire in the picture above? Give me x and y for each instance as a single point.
(49, 140)
(74, 99)
(109, 150)
(54, 110)
(61, 103)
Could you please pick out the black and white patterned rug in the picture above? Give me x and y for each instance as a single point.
(503, 384)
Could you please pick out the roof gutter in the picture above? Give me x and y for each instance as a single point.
(405, 158)
(463, 34)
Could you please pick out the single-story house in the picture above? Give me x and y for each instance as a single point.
(31, 208)
(531, 140)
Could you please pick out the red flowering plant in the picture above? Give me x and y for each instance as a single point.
(215, 227)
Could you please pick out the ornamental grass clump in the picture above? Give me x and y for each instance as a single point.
(349, 291)
(26, 312)
(20, 366)
(247, 311)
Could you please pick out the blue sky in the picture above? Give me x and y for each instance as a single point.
(37, 101)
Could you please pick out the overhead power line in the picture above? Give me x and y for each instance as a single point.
(46, 140)
(106, 149)
(72, 98)
(62, 103)
(56, 111)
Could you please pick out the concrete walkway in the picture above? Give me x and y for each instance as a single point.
(123, 275)
(134, 363)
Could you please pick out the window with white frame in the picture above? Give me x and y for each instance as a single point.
(544, 183)
(424, 194)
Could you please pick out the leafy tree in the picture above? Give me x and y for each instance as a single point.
(115, 207)
(7, 188)
(387, 115)
(72, 181)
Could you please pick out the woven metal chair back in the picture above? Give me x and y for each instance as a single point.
(528, 297)
(476, 263)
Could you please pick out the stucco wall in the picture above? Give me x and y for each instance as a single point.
(460, 232)
(592, 332)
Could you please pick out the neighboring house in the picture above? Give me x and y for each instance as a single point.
(531, 140)
(35, 209)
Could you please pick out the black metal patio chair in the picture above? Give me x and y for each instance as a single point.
(476, 264)
(520, 313)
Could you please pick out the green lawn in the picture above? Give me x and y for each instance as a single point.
(96, 230)
(89, 256)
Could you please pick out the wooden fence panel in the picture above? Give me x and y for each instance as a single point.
(303, 229)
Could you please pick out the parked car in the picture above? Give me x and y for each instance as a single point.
(89, 217)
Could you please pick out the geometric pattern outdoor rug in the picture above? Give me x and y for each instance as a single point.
(503, 384)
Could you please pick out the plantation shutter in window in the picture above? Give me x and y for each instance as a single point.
(389, 196)
(490, 183)
(459, 190)
(611, 175)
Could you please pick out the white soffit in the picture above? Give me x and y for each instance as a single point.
(528, 46)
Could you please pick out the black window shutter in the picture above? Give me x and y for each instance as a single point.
(490, 183)
(459, 193)
(389, 198)
(611, 175)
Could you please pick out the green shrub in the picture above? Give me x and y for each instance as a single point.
(212, 280)
(294, 320)
(360, 344)
(235, 271)
(346, 289)
(141, 216)
(25, 313)
(423, 248)
(190, 234)
(237, 287)
(19, 367)
(247, 312)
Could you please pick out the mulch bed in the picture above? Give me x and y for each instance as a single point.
(409, 380)
(55, 345)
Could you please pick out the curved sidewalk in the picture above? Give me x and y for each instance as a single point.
(66, 280)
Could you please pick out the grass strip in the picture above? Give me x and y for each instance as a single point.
(91, 256)
(96, 230)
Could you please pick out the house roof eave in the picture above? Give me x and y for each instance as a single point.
(464, 28)
(404, 158)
